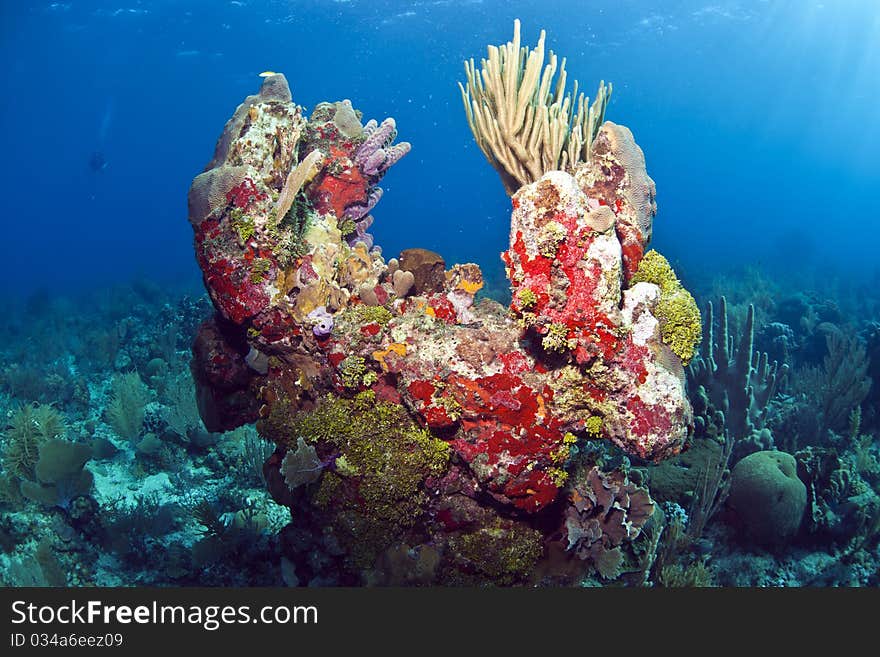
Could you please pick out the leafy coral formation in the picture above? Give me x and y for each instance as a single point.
(59, 474)
(301, 466)
(607, 513)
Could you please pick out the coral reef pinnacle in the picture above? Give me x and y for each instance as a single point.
(580, 352)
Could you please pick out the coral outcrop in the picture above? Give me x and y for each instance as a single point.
(414, 423)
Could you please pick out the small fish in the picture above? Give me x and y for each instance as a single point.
(266, 74)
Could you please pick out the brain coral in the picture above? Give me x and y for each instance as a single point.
(768, 496)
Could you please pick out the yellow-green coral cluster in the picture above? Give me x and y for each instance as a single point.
(243, 224)
(259, 268)
(593, 426)
(563, 453)
(557, 475)
(680, 324)
(364, 314)
(556, 338)
(551, 235)
(375, 488)
(340, 421)
(347, 226)
(502, 554)
(526, 297)
(354, 372)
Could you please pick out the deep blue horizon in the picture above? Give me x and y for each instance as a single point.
(758, 122)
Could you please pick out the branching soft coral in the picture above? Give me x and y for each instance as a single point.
(524, 123)
(839, 386)
(29, 427)
(125, 412)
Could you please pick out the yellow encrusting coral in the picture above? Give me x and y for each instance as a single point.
(354, 373)
(565, 450)
(558, 476)
(526, 297)
(503, 554)
(594, 426)
(556, 338)
(380, 354)
(680, 324)
(388, 455)
(654, 268)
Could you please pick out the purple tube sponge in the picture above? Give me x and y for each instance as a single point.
(357, 211)
(371, 163)
(322, 320)
(360, 233)
(394, 153)
(376, 154)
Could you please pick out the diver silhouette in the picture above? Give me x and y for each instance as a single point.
(97, 162)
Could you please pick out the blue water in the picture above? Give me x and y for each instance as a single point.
(758, 120)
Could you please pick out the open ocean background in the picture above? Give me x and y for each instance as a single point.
(758, 120)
